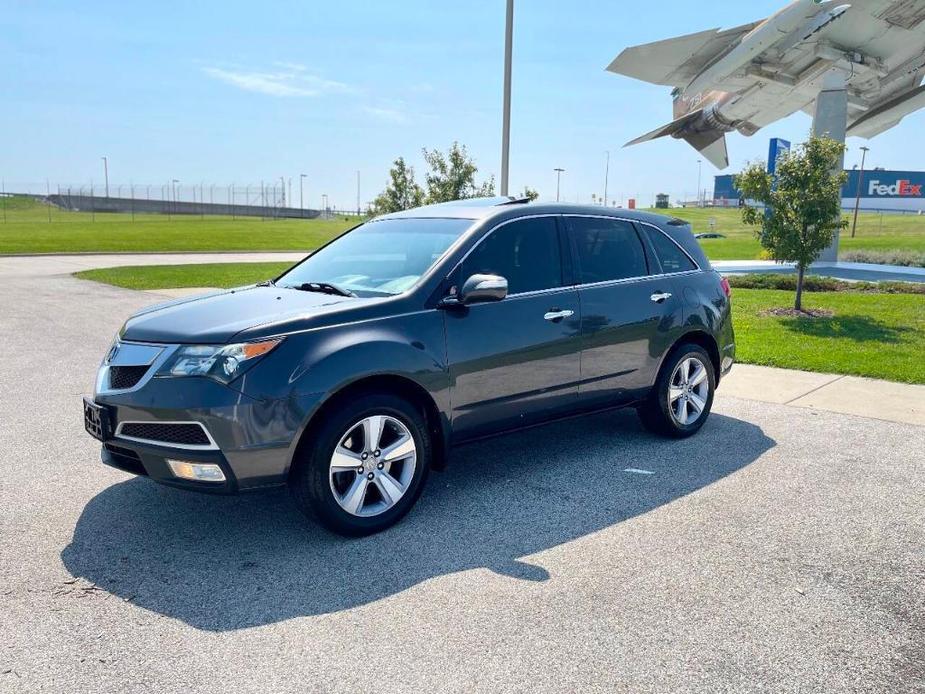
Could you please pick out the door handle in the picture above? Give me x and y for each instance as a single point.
(555, 315)
(660, 297)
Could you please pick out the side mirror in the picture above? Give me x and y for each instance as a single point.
(482, 288)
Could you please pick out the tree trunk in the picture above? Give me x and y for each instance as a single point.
(801, 270)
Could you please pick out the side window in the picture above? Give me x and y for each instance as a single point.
(673, 259)
(608, 249)
(525, 252)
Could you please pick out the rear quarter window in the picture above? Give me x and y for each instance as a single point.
(671, 257)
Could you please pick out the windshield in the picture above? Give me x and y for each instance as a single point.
(379, 258)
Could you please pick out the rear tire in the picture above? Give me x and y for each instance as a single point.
(365, 465)
(682, 397)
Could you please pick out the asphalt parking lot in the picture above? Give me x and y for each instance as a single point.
(782, 549)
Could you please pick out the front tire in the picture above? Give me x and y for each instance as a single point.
(682, 396)
(365, 465)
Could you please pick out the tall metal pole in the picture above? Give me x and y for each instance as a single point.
(106, 174)
(558, 179)
(857, 201)
(506, 123)
(302, 177)
(606, 176)
(699, 172)
(176, 200)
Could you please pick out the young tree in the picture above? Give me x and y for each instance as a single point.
(802, 204)
(530, 193)
(402, 193)
(452, 176)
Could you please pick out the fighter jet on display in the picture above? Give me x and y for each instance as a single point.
(753, 75)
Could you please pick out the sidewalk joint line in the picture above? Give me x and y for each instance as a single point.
(810, 392)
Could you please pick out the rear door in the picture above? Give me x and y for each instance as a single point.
(515, 361)
(628, 308)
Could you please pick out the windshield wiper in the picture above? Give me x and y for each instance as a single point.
(324, 288)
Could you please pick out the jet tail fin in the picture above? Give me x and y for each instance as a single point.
(712, 145)
(673, 128)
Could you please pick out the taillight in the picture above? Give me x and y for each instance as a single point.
(727, 290)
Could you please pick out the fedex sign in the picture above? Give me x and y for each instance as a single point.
(902, 188)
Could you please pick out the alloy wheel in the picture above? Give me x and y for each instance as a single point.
(373, 465)
(688, 391)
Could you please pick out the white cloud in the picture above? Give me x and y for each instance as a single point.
(289, 79)
(391, 113)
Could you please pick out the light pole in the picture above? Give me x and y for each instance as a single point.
(506, 117)
(302, 177)
(559, 173)
(857, 202)
(699, 172)
(606, 176)
(106, 174)
(174, 183)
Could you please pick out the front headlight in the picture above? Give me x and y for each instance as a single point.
(224, 363)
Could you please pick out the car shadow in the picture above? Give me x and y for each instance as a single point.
(224, 563)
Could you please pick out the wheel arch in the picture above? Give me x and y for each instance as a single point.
(702, 339)
(382, 383)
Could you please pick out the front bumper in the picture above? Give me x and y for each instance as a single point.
(151, 461)
(251, 440)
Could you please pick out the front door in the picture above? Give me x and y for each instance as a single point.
(515, 361)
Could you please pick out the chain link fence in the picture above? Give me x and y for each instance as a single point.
(63, 202)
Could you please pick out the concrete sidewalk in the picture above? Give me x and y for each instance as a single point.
(45, 265)
(867, 272)
(863, 397)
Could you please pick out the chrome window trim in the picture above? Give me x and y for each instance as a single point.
(211, 446)
(632, 280)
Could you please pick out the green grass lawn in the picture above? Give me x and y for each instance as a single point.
(224, 275)
(26, 229)
(875, 233)
(877, 335)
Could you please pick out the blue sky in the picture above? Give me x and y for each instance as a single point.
(243, 92)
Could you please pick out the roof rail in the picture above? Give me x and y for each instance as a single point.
(514, 201)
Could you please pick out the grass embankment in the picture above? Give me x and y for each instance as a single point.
(881, 335)
(27, 230)
(876, 232)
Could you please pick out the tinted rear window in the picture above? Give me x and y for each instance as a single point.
(608, 249)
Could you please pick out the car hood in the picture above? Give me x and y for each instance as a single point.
(218, 317)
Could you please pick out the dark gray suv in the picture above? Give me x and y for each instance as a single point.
(351, 375)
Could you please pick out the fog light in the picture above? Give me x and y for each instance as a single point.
(199, 472)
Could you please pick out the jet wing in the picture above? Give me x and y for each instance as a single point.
(675, 62)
